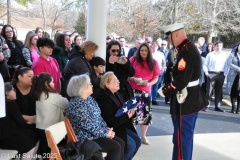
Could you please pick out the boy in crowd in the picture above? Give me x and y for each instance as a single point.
(98, 65)
(45, 63)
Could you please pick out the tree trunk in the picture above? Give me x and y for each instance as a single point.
(209, 36)
(44, 18)
(8, 12)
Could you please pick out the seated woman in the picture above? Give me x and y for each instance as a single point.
(85, 117)
(49, 107)
(14, 134)
(22, 82)
(110, 100)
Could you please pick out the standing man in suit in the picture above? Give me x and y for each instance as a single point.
(124, 49)
(186, 72)
(131, 52)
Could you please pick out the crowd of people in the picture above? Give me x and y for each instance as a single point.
(47, 80)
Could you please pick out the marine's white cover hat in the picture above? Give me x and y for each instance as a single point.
(172, 27)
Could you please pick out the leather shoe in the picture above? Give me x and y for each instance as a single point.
(155, 103)
(206, 109)
(219, 110)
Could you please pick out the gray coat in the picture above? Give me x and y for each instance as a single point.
(230, 71)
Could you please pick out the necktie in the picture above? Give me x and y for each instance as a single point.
(123, 52)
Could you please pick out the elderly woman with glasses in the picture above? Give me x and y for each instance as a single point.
(110, 100)
(121, 67)
(85, 117)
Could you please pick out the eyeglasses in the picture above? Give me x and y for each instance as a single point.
(8, 31)
(164, 44)
(114, 50)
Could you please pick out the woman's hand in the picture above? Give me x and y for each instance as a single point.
(29, 119)
(131, 112)
(5, 46)
(124, 60)
(111, 133)
(1, 57)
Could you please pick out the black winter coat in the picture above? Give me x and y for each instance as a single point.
(78, 65)
(109, 106)
(122, 72)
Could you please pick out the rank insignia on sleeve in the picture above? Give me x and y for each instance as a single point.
(181, 64)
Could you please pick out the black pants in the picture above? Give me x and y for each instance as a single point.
(113, 147)
(215, 82)
(234, 90)
(167, 80)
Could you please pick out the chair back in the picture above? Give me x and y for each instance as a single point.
(55, 134)
(71, 136)
(58, 131)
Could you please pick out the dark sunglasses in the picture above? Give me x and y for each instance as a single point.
(164, 44)
(115, 50)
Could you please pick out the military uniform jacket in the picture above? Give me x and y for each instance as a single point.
(186, 69)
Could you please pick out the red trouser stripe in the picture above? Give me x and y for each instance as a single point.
(179, 140)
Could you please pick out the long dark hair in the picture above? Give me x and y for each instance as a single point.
(41, 83)
(149, 59)
(60, 40)
(14, 38)
(236, 50)
(20, 70)
(109, 46)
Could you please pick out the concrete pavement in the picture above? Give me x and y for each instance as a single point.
(217, 146)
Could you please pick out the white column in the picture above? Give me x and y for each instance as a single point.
(2, 98)
(97, 25)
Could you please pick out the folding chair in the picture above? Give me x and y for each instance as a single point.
(71, 136)
(55, 134)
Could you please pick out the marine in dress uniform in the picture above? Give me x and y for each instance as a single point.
(186, 73)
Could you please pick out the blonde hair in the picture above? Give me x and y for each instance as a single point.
(106, 78)
(28, 41)
(89, 47)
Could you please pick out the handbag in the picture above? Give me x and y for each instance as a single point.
(71, 151)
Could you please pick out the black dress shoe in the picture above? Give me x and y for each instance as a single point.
(206, 109)
(219, 110)
(155, 103)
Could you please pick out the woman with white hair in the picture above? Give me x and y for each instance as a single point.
(85, 117)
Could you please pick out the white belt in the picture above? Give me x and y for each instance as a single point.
(193, 83)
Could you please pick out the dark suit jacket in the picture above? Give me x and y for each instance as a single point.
(109, 105)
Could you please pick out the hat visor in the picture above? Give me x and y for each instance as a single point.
(165, 37)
